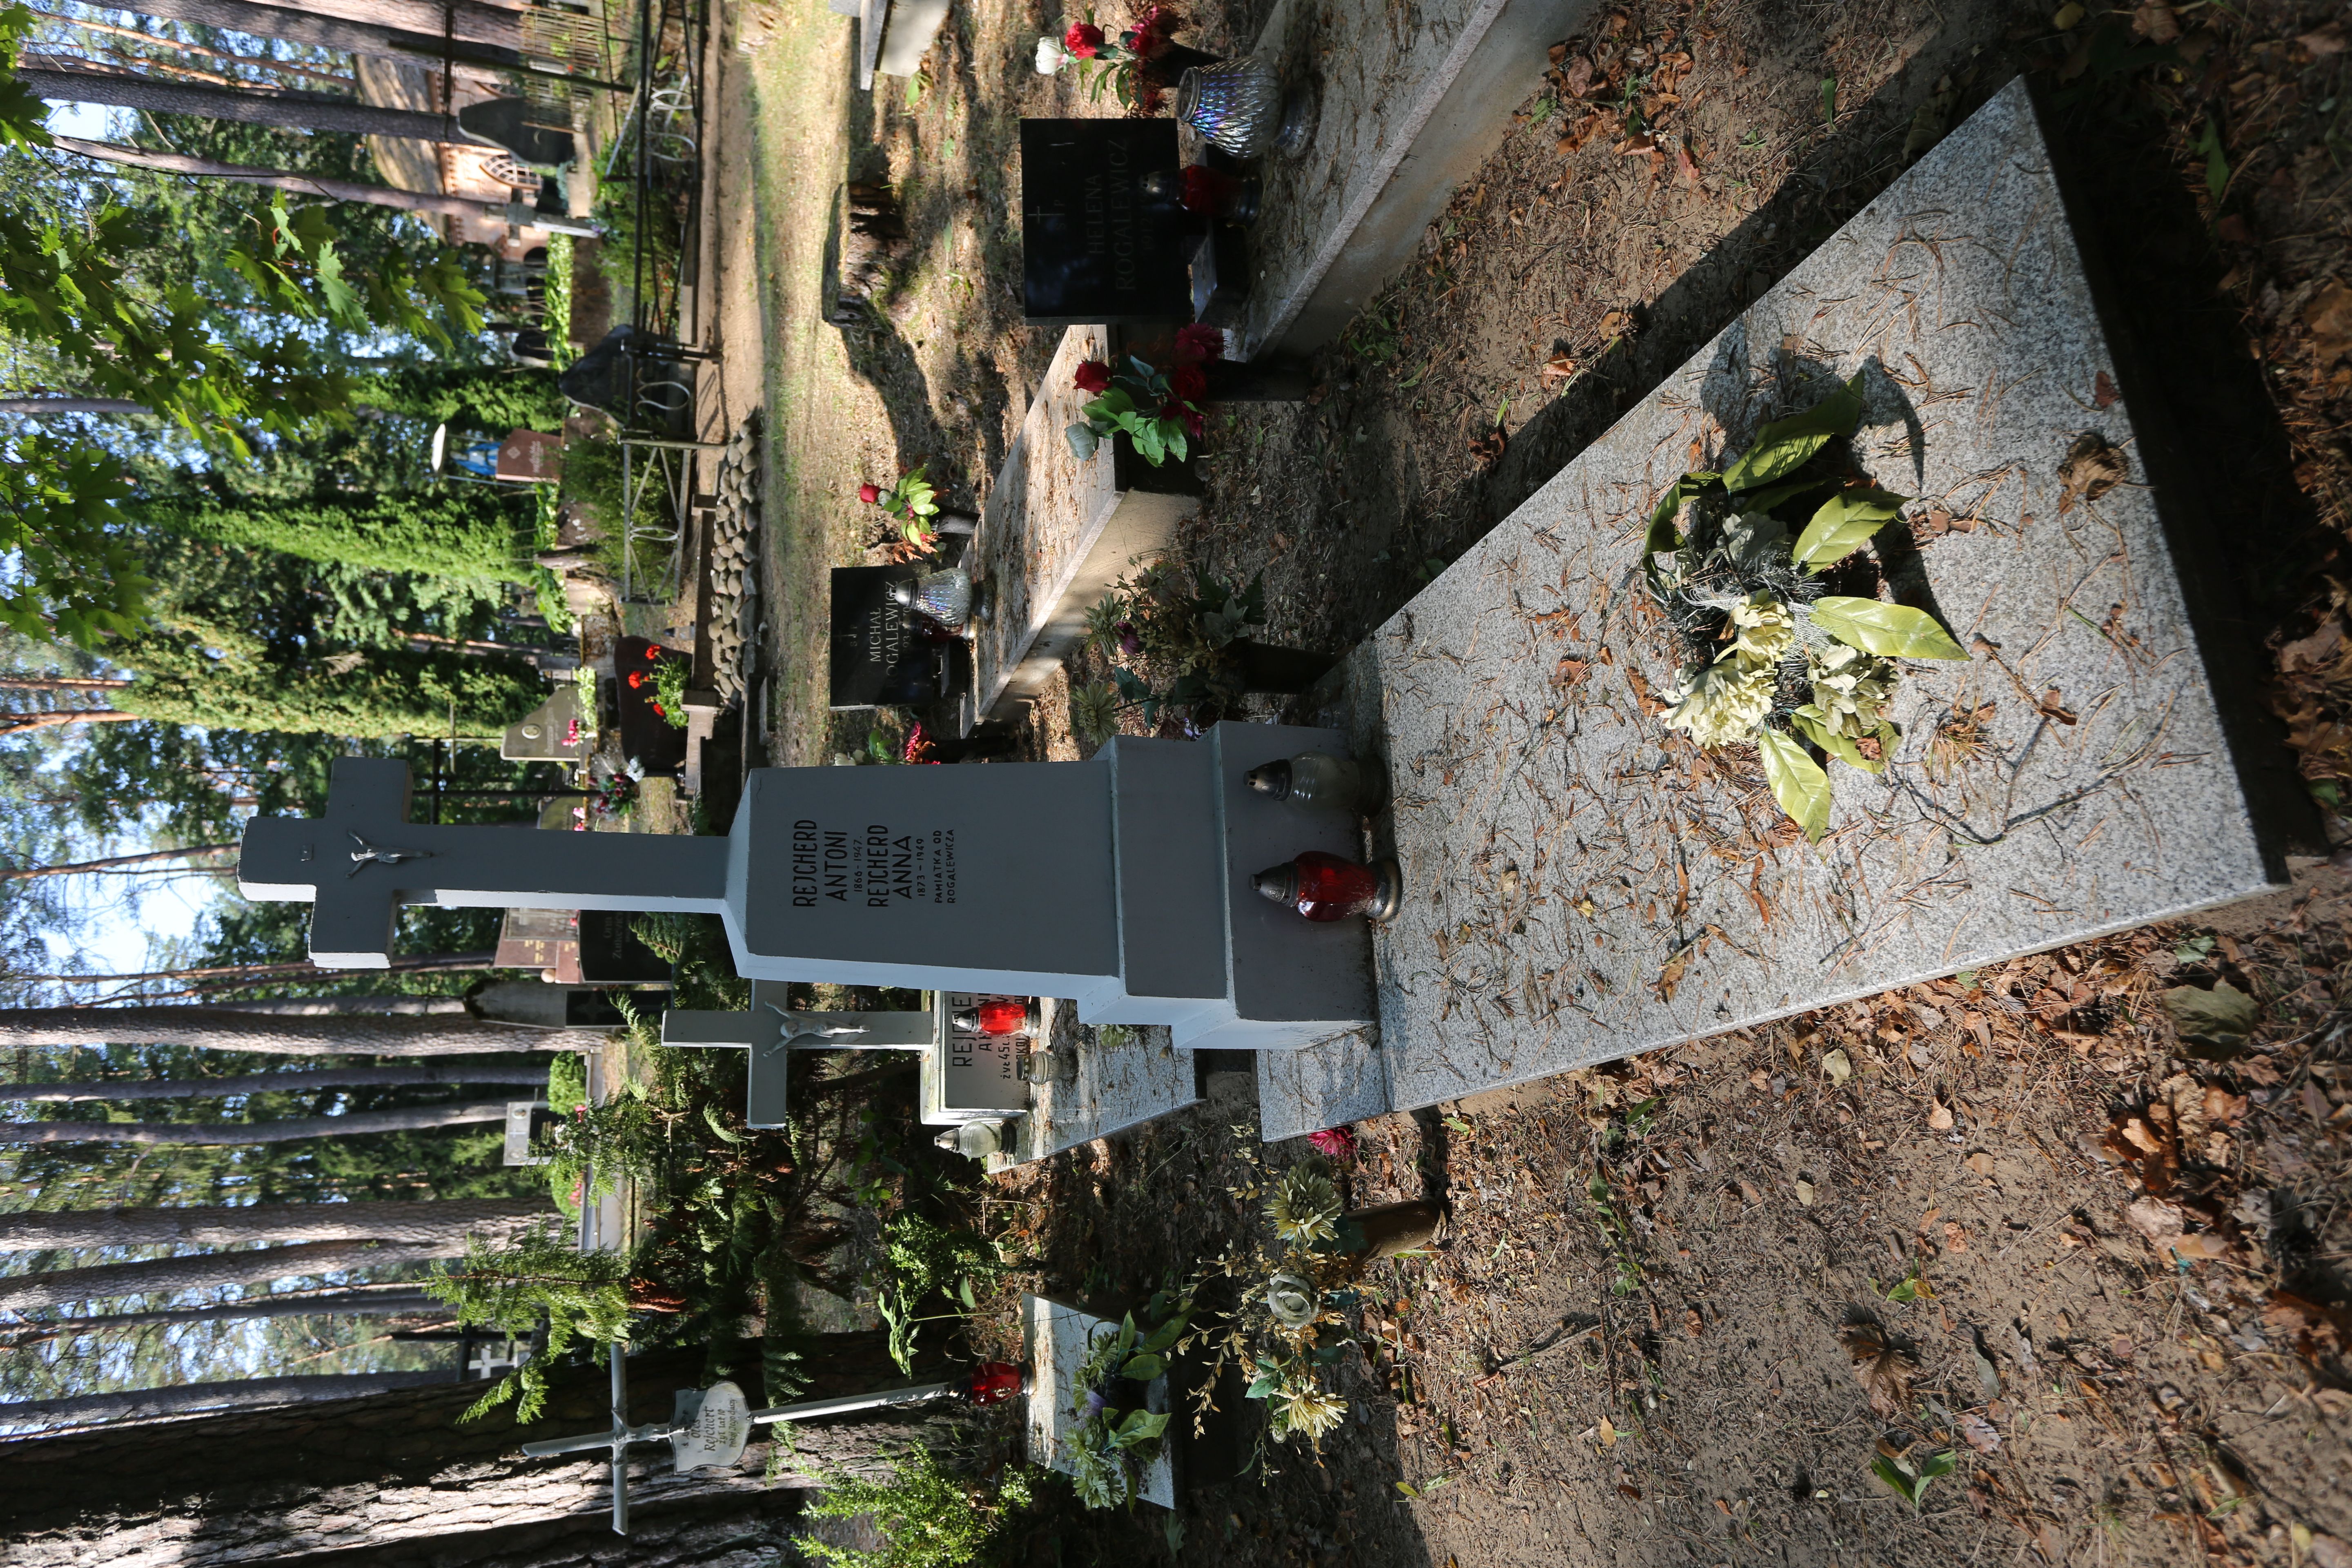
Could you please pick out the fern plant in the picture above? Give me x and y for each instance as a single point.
(582, 1295)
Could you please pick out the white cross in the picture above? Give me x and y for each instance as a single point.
(771, 1032)
(361, 861)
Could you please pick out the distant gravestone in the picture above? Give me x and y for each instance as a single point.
(531, 134)
(552, 733)
(1097, 246)
(880, 659)
(531, 939)
(611, 954)
(530, 457)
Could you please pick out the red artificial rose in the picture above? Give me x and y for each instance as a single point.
(869, 494)
(1084, 39)
(1190, 418)
(1188, 384)
(1197, 341)
(1093, 376)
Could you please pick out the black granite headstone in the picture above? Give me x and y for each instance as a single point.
(647, 738)
(612, 954)
(1095, 246)
(881, 658)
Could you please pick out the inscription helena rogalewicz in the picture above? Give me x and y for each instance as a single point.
(874, 865)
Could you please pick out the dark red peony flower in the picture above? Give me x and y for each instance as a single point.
(1084, 39)
(1199, 343)
(1092, 376)
(1190, 418)
(869, 494)
(1188, 384)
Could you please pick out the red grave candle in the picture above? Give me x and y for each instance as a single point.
(1329, 887)
(1003, 1015)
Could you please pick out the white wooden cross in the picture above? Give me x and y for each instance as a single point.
(771, 1032)
(361, 861)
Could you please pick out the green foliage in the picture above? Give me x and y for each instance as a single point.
(928, 1518)
(579, 1295)
(490, 399)
(1798, 783)
(1890, 631)
(670, 690)
(77, 576)
(1907, 1478)
(182, 680)
(1137, 401)
(1110, 1447)
(924, 1257)
(464, 532)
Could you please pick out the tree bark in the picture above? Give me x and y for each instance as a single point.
(736, 1530)
(284, 179)
(227, 1029)
(19, 723)
(287, 1129)
(335, 1006)
(294, 1082)
(244, 105)
(232, 1225)
(397, 1470)
(40, 407)
(58, 682)
(394, 29)
(400, 1300)
(208, 1271)
(112, 862)
(186, 1398)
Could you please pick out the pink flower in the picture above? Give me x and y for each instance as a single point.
(1084, 39)
(1092, 376)
(869, 494)
(1188, 384)
(1337, 1141)
(1197, 341)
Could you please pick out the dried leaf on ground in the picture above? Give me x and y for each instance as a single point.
(1560, 367)
(1881, 1363)
(2223, 1016)
(1978, 1432)
(2092, 469)
(2329, 317)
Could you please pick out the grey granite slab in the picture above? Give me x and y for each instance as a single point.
(1057, 1339)
(1583, 884)
(1407, 101)
(1116, 1087)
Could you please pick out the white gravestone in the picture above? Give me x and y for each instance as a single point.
(1584, 886)
(1122, 882)
(1055, 1340)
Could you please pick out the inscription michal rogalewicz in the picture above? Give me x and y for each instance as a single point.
(876, 865)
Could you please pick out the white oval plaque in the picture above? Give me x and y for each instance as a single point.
(721, 1429)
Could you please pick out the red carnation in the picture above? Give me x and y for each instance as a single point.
(1188, 384)
(1197, 341)
(1084, 39)
(869, 494)
(1093, 376)
(636, 678)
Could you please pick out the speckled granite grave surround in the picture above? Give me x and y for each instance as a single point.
(1408, 101)
(1054, 533)
(1116, 1087)
(1582, 885)
(1055, 1339)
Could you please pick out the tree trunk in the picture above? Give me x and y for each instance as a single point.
(186, 1398)
(208, 1271)
(281, 179)
(301, 969)
(227, 1029)
(20, 724)
(58, 683)
(228, 1490)
(113, 862)
(288, 1130)
(334, 1006)
(40, 407)
(244, 105)
(390, 1300)
(383, 27)
(734, 1530)
(294, 1082)
(232, 1225)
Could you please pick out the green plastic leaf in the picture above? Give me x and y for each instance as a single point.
(1128, 1334)
(1899, 1483)
(1263, 1386)
(963, 1294)
(1143, 1368)
(1112, 403)
(1663, 537)
(1844, 524)
(1140, 1427)
(1165, 1335)
(1773, 495)
(1783, 446)
(1814, 727)
(2223, 1017)
(1083, 440)
(1798, 783)
(1890, 631)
